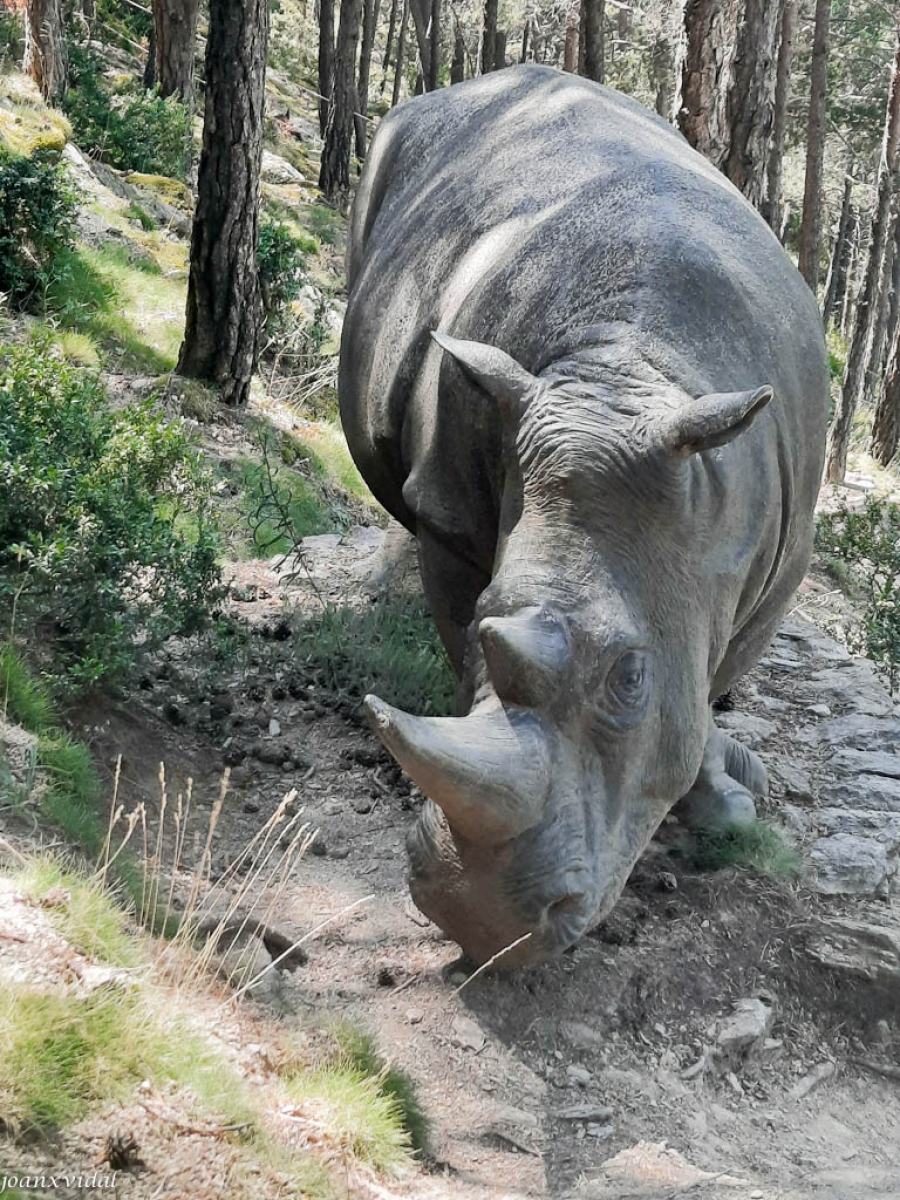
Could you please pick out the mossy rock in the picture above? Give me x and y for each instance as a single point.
(171, 191)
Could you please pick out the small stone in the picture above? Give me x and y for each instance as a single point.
(578, 1075)
(812, 1080)
(747, 728)
(340, 852)
(581, 1034)
(274, 727)
(415, 1016)
(667, 881)
(319, 848)
(745, 1030)
(818, 710)
(362, 805)
(251, 806)
(883, 1035)
(601, 1132)
(466, 1034)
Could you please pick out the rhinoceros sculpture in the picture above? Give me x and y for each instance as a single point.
(580, 369)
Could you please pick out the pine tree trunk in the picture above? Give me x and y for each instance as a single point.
(853, 284)
(370, 23)
(662, 76)
(488, 36)
(334, 175)
(434, 73)
(500, 50)
(727, 97)
(392, 29)
(175, 36)
(458, 66)
(523, 56)
(570, 53)
(594, 40)
(421, 11)
(582, 38)
(149, 77)
(772, 206)
(326, 61)
(867, 301)
(46, 56)
(886, 426)
(400, 58)
(875, 357)
(837, 270)
(223, 304)
(811, 221)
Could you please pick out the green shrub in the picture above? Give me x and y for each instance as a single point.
(358, 1052)
(37, 224)
(865, 546)
(131, 129)
(280, 256)
(12, 37)
(104, 528)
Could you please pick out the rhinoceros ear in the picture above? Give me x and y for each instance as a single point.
(495, 370)
(713, 420)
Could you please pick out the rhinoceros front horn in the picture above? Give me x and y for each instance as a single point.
(489, 771)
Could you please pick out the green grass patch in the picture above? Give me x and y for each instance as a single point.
(390, 647)
(124, 303)
(89, 918)
(759, 846)
(25, 701)
(72, 798)
(59, 1054)
(359, 1054)
(355, 1114)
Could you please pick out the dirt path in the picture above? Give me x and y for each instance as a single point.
(567, 1079)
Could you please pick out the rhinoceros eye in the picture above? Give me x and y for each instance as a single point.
(626, 682)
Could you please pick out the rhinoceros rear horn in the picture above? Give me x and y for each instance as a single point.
(493, 369)
(713, 420)
(489, 771)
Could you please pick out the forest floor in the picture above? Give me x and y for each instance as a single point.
(725, 1033)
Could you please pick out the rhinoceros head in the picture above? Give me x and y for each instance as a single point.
(588, 666)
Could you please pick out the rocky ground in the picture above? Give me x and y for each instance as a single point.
(723, 1032)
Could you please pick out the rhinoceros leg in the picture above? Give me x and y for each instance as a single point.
(722, 795)
(452, 586)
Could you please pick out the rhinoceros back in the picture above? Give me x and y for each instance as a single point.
(545, 214)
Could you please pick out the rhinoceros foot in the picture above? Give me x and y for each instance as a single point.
(722, 795)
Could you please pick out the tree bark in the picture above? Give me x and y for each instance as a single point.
(594, 40)
(421, 11)
(370, 23)
(488, 36)
(223, 304)
(771, 208)
(662, 76)
(886, 427)
(174, 39)
(837, 270)
(458, 66)
(866, 304)
(570, 53)
(726, 103)
(811, 221)
(392, 29)
(46, 57)
(149, 78)
(326, 61)
(334, 175)
(434, 66)
(880, 321)
(523, 56)
(400, 57)
(500, 50)
(853, 283)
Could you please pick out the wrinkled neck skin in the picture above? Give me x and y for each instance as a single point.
(594, 631)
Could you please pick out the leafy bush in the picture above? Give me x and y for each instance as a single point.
(12, 37)
(105, 540)
(280, 257)
(131, 129)
(866, 544)
(37, 224)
